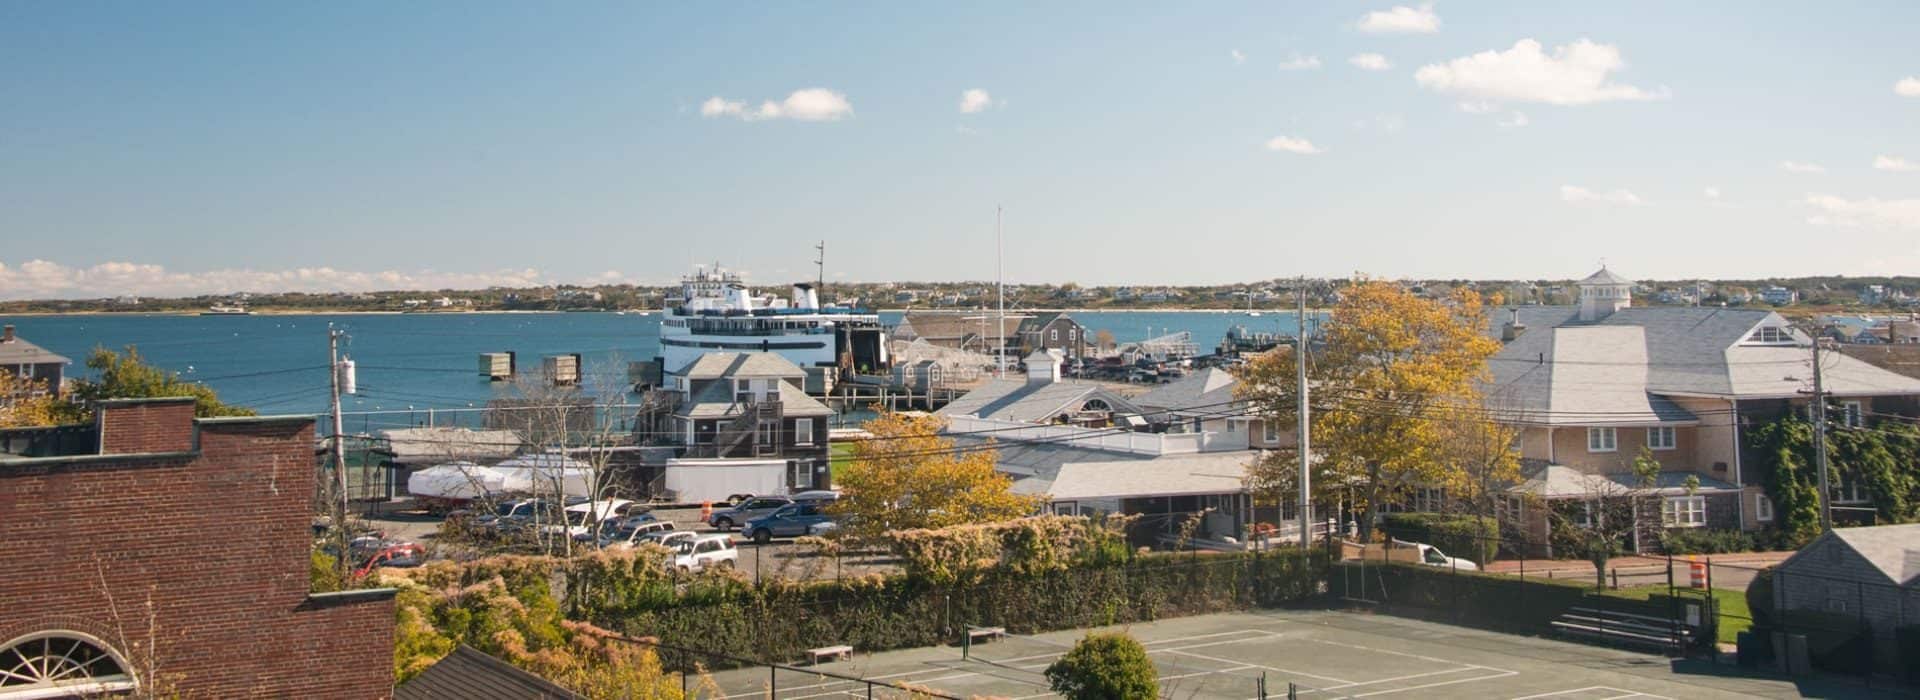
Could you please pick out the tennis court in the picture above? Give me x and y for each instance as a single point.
(1323, 654)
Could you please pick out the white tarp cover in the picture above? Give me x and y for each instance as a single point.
(462, 480)
(542, 473)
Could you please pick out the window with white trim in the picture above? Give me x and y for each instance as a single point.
(56, 664)
(802, 474)
(1272, 429)
(1661, 437)
(1429, 500)
(1054, 336)
(1602, 440)
(1770, 335)
(1849, 491)
(803, 431)
(1853, 415)
(1762, 508)
(1583, 516)
(1684, 511)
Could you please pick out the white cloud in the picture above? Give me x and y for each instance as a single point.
(1799, 167)
(41, 279)
(1479, 107)
(1895, 163)
(1293, 145)
(1370, 61)
(1401, 20)
(1576, 74)
(1711, 192)
(975, 101)
(1907, 87)
(1581, 195)
(1299, 62)
(1238, 58)
(1514, 120)
(807, 105)
(1864, 213)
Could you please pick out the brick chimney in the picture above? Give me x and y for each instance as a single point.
(6, 335)
(134, 426)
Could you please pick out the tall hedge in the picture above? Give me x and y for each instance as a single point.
(1470, 536)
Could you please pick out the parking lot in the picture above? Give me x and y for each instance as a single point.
(1324, 654)
(779, 558)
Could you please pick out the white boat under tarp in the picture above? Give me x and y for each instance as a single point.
(456, 480)
(544, 473)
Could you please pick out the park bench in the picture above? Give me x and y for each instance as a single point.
(1627, 629)
(981, 634)
(837, 651)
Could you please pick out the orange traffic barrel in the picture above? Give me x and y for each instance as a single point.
(1697, 573)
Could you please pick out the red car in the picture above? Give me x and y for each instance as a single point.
(399, 555)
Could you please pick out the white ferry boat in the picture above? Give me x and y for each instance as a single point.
(716, 312)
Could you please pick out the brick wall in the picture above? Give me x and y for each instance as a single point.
(150, 425)
(192, 565)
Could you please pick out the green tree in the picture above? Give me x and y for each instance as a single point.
(128, 376)
(1105, 666)
(25, 402)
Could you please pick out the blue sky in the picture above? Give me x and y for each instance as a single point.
(177, 147)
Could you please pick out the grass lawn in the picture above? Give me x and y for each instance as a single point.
(1735, 617)
(839, 455)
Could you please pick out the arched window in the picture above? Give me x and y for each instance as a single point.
(60, 664)
(1097, 405)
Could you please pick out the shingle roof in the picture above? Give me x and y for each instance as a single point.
(716, 400)
(1193, 475)
(1605, 276)
(468, 674)
(1022, 401)
(1684, 351)
(20, 352)
(715, 365)
(1893, 549)
(1207, 390)
(946, 325)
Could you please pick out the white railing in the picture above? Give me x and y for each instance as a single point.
(1109, 439)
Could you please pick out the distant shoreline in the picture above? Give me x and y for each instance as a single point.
(648, 312)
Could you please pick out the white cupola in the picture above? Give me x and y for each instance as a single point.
(1603, 293)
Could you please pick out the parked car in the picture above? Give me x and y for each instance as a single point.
(705, 551)
(757, 506)
(727, 519)
(630, 536)
(1427, 555)
(671, 539)
(583, 519)
(792, 520)
(398, 555)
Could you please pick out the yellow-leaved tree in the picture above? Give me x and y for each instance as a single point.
(907, 476)
(1393, 398)
(26, 402)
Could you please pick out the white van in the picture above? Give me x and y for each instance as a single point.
(706, 551)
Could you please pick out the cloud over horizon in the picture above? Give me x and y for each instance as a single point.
(1288, 144)
(1574, 194)
(975, 101)
(1370, 62)
(42, 279)
(1575, 74)
(1400, 20)
(807, 105)
(1871, 212)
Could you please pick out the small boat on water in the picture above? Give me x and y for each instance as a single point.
(226, 310)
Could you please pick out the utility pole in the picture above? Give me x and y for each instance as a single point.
(1000, 272)
(1820, 438)
(339, 451)
(1305, 441)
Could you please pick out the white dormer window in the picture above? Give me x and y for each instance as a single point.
(1770, 335)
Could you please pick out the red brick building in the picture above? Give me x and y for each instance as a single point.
(173, 555)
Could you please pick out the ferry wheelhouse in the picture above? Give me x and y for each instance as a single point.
(717, 312)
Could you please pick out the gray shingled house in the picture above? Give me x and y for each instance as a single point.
(1869, 572)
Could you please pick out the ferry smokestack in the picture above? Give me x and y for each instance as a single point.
(805, 296)
(741, 298)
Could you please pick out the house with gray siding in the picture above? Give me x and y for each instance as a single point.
(1872, 573)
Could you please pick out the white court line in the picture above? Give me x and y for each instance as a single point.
(1501, 674)
(1401, 678)
(1626, 693)
(1261, 634)
(1217, 659)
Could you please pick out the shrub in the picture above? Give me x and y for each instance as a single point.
(1471, 536)
(1110, 666)
(1703, 541)
(1760, 600)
